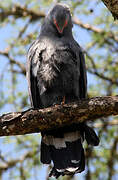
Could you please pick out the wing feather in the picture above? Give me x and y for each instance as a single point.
(33, 63)
(83, 77)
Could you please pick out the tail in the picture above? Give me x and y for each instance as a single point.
(64, 150)
(66, 153)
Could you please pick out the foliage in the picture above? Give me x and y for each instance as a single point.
(97, 33)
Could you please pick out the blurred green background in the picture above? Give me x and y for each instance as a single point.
(97, 33)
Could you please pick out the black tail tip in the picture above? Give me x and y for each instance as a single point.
(55, 173)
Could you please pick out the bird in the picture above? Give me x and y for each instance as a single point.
(56, 73)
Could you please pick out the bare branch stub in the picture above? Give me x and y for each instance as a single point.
(39, 120)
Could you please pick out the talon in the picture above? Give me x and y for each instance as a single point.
(55, 105)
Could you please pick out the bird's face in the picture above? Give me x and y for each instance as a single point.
(60, 17)
(61, 21)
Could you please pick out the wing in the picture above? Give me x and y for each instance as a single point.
(83, 76)
(81, 81)
(33, 64)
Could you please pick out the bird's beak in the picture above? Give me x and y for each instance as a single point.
(60, 27)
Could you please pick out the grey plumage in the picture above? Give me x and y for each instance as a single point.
(56, 69)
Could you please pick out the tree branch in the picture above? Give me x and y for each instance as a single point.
(39, 120)
(20, 11)
(13, 61)
(7, 164)
(95, 29)
(112, 5)
(108, 123)
(102, 76)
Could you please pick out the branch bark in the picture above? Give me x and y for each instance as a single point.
(39, 120)
(112, 5)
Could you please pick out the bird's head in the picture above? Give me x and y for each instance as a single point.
(60, 17)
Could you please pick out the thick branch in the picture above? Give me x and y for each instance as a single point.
(32, 121)
(112, 5)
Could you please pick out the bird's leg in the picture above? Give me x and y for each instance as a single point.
(63, 101)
